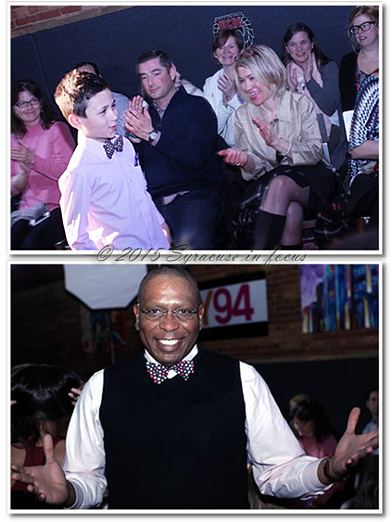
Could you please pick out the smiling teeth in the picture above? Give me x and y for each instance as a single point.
(169, 342)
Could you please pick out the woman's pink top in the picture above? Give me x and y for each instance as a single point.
(319, 449)
(53, 150)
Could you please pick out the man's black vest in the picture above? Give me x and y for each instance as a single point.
(176, 445)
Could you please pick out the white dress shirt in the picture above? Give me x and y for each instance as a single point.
(280, 466)
(105, 201)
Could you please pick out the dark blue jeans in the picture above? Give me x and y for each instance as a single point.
(193, 219)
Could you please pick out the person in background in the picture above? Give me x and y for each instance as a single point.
(293, 403)
(363, 33)
(372, 406)
(366, 479)
(41, 148)
(371, 462)
(140, 426)
(177, 140)
(315, 435)
(311, 72)
(122, 101)
(221, 88)
(41, 404)
(362, 182)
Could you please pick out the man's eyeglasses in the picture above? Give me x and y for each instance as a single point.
(24, 104)
(365, 26)
(157, 314)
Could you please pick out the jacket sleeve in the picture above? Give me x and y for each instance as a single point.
(214, 96)
(307, 150)
(327, 97)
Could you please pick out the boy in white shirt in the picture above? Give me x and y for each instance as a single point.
(104, 199)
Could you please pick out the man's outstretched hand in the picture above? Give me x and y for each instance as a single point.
(47, 482)
(351, 449)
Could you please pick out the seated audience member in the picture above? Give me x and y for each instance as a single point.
(104, 198)
(364, 61)
(315, 435)
(372, 406)
(41, 148)
(41, 404)
(367, 496)
(363, 149)
(122, 101)
(312, 73)
(277, 128)
(175, 427)
(177, 140)
(366, 478)
(293, 403)
(221, 89)
(371, 461)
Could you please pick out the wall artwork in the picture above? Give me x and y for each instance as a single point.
(103, 331)
(339, 297)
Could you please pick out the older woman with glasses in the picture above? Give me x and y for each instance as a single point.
(364, 61)
(41, 148)
(277, 139)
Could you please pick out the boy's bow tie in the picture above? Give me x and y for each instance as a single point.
(110, 147)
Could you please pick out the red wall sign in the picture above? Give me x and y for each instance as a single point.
(235, 307)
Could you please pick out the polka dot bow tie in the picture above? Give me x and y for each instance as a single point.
(110, 147)
(159, 372)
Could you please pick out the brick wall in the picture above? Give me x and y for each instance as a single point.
(31, 19)
(46, 326)
(285, 340)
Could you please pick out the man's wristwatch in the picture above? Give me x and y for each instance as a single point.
(152, 136)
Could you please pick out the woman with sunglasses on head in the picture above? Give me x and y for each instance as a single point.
(363, 34)
(311, 72)
(277, 140)
(41, 148)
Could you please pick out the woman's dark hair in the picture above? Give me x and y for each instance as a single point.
(48, 114)
(298, 27)
(313, 411)
(41, 395)
(221, 38)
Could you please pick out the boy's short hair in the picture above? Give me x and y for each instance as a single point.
(75, 90)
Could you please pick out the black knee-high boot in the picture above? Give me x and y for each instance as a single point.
(292, 247)
(268, 230)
